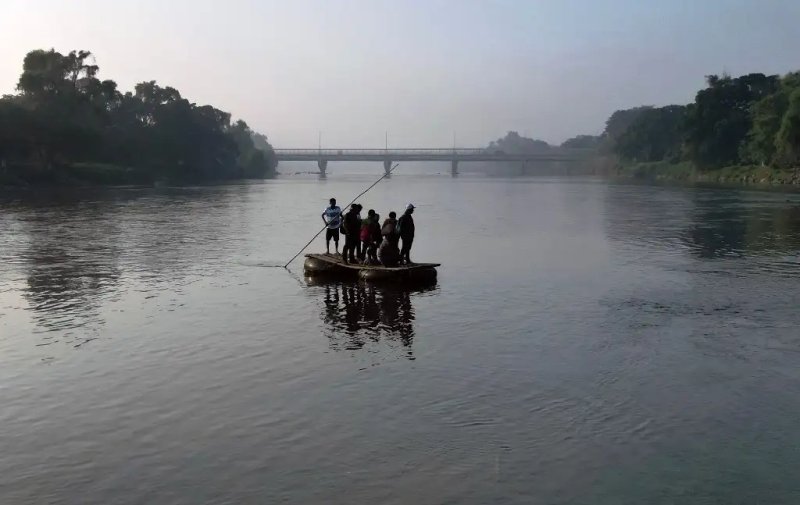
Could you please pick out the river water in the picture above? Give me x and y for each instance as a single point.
(586, 343)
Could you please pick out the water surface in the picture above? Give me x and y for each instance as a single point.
(586, 343)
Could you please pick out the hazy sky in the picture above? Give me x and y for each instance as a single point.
(420, 69)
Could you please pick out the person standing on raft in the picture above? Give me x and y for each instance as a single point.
(375, 238)
(388, 253)
(332, 217)
(352, 231)
(405, 227)
(368, 224)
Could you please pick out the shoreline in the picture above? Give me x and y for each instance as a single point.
(88, 176)
(735, 175)
(95, 175)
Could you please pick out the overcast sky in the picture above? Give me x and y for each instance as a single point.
(423, 70)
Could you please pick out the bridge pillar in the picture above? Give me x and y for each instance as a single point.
(387, 166)
(454, 168)
(323, 166)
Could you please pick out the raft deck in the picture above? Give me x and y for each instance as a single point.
(330, 264)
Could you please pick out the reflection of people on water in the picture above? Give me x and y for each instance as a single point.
(358, 314)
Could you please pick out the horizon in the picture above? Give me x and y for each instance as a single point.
(472, 70)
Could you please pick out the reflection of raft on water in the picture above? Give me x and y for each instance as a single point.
(330, 265)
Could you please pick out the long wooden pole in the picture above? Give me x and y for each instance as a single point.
(341, 216)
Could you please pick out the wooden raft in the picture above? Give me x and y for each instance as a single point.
(330, 264)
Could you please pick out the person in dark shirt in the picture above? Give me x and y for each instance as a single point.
(375, 237)
(406, 230)
(352, 230)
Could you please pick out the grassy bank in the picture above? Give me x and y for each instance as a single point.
(687, 172)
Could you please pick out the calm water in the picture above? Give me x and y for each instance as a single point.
(586, 343)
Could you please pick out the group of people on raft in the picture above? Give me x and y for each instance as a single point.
(366, 240)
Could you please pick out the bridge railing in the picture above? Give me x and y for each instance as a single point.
(340, 152)
(412, 151)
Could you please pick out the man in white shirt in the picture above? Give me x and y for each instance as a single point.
(332, 217)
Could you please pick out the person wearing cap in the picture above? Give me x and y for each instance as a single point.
(405, 227)
(352, 230)
(332, 217)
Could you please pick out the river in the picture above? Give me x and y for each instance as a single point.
(586, 343)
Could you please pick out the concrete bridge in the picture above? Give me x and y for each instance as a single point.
(454, 156)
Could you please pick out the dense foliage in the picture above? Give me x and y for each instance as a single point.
(64, 116)
(514, 143)
(655, 134)
(583, 142)
(752, 119)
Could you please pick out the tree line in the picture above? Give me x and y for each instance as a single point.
(63, 117)
(514, 143)
(749, 120)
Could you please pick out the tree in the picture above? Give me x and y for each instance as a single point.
(655, 134)
(60, 93)
(718, 122)
(64, 115)
(256, 157)
(514, 143)
(617, 124)
(767, 115)
(14, 123)
(583, 142)
(787, 141)
(261, 143)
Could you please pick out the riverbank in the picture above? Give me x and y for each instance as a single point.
(85, 174)
(687, 172)
(78, 174)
